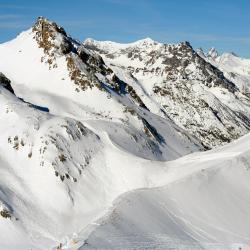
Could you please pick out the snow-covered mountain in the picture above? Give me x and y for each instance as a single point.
(82, 125)
(185, 87)
(235, 68)
(74, 137)
(54, 71)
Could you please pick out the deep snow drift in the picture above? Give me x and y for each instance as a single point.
(92, 153)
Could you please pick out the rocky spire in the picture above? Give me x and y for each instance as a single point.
(213, 53)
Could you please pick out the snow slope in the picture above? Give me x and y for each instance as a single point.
(204, 204)
(46, 210)
(58, 174)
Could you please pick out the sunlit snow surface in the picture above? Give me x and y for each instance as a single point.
(203, 205)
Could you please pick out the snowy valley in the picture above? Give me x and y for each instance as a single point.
(122, 146)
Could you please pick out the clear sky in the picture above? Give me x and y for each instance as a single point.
(224, 24)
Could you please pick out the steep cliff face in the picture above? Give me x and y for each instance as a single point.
(187, 88)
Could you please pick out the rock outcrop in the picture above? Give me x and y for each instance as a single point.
(6, 83)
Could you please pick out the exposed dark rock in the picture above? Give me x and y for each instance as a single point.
(5, 214)
(6, 83)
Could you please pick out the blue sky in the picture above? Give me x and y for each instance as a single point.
(223, 24)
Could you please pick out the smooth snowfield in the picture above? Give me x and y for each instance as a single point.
(204, 205)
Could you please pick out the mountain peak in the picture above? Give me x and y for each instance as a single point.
(51, 37)
(115, 46)
(229, 54)
(43, 24)
(213, 53)
(146, 40)
(200, 52)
